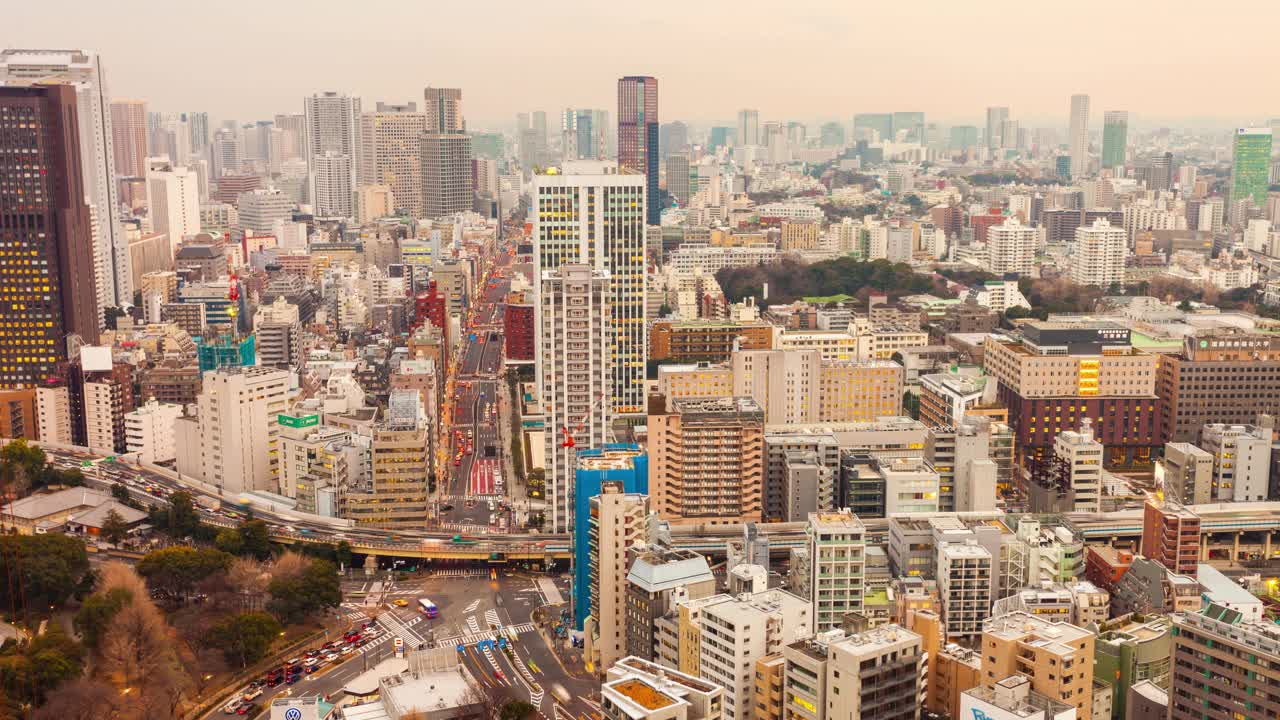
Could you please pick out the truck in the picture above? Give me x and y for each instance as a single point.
(212, 504)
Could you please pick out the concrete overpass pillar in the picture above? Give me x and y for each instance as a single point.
(1204, 547)
(1235, 546)
(370, 565)
(1266, 545)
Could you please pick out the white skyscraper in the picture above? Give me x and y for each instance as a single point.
(573, 366)
(1099, 254)
(1078, 136)
(173, 200)
(333, 153)
(232, 442)
(996, 118)
(748, 127)
(82, 69)
(1011, 248)
(593, 213)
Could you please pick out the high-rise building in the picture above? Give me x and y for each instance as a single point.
(584, 134)
(678, 178)
(837, 565)
(50, 305)
(149, 431)
(1078, 136)
(82, 70)
(1224, 666)
(1251, 165)
(129, 136)
(226, 154)
(391, 153)
(573, 367)
(278, 330)
(593, 213)
(173, 200)
(400, 464)
(966, 579)
(748, 127)
(707, 456)
(831, 135)
(445, 155)
(996, 117)
(1115, 137)
(615, 526)
(673, 137)
(638, 136)
(1098, 258)
(333, 153)
(260, 210)
(231, 443)
(626, 466)
(873, 126)
(1011, 248)
(908, 125)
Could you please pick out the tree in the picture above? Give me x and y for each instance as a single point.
(255, 539)
(111, 315)
(21, 465)
(31, 670)
(182, 515)
(120, 493)
(342, 553)
(97, 613)
(177, 569)
(249, 579)
(114, 528)
(245, 638)
(229, 541)
(516, 710)
(81, 699)
(47, 569)
(664, 310)
(296, 598)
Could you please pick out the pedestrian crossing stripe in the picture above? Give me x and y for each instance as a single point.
(473, 638)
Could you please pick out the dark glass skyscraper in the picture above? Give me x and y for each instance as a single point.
(638, 136)
(48, 298)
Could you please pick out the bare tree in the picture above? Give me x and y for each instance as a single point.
(249, 578)
(289, 566)
(82, 699)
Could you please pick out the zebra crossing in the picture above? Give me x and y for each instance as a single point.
(472, 624)
(491, 618)
(473, 638)
(352, 614)
(461, 572)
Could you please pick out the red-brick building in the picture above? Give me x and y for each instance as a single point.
(518, 329)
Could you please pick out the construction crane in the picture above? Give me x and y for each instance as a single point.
(568, 441)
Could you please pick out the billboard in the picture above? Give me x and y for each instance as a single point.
(298, 421)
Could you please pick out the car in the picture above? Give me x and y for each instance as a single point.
(446, 507)
(400, 602)
(331, 656)
(295, 669)
(292, 661)
(310, 662)
(231, 707)
(457, 462)
(330, 645)
(246, 709)
(348, 649)
(252, 692)
(311, 668)
(274, 680)
(291, 679)
(310, 653)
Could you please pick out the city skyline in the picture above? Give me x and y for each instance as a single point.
(881, 77)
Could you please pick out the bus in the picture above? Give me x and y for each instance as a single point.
(428, 608)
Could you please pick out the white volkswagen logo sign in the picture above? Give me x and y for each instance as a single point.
(293, 714)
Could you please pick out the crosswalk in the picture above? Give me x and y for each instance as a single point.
(352, 614)
(472, 607)
(475, 637)
(491, 618)
(461, 572)
(472, 624)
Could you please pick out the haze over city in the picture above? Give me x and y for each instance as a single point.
(808, 60)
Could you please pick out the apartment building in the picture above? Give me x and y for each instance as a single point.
(707, 457)
(1133, 649)
(1241, 460)
(1185, 473)
(1011, 698)
(966, 580)
(691, 341)
(617, 524)
(236, 434)
(736, 632)
(1224, 667)
(400, 463)
(660, 577)
(1055, 657)
(837, 557)
(1171, 536)
(636, 689)
(874, 675)
(148, 432)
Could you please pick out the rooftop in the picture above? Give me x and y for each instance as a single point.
(44, 505)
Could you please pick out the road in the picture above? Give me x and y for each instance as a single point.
(474, 609)
(476, 498)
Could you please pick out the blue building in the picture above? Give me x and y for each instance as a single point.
(626, 463)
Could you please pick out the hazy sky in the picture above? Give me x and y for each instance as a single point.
(793, 59)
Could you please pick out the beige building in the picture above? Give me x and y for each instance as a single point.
(1186, 474)
(837, 565)
(53, 414)
(635, 689)
(770, 690)
(801, 235)
(373, 202)
(399, 467)
(737, 631)
(707, 459)
(128, 136)
(232, 442)
(390, 154)
(1056, 657)
(616, 525)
